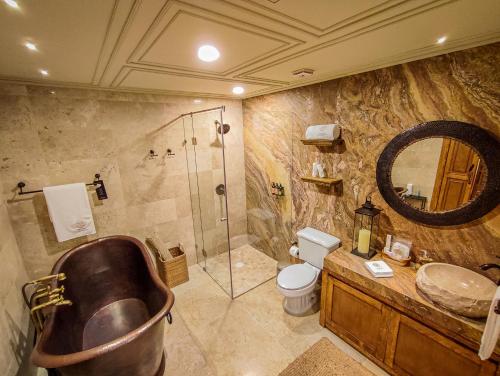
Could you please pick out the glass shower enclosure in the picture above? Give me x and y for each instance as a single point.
(205, 156)
(225, 253)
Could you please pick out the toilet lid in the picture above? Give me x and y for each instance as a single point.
(296, 276)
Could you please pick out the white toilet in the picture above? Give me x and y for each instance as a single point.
(297, 283)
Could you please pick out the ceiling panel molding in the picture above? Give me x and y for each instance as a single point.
(345, 37)
(262, 41)
(168, 10)
(197, 74)
(113, 40)
(112, 18)
(134, 77)
(127, 70)
(77, 85)
(314, 30)
(165, 21)
(416, 54)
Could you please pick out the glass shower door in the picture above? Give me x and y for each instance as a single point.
(207, 181)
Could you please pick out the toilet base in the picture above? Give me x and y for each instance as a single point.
(303, 305)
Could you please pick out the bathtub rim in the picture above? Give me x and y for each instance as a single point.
(46, 360)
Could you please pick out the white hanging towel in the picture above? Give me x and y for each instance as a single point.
(491, 330)
(323, 132)
(69, 211)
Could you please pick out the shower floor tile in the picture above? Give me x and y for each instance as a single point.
(249, 266)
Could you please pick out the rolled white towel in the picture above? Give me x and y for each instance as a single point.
(323, 132)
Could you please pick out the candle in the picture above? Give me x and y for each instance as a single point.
(364, 241)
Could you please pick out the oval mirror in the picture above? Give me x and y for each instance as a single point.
(441, 173)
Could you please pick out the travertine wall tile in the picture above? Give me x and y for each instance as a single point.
(371, 108)
(16, 338)
(66, 137)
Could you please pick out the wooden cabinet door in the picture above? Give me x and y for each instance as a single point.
(456, 177)
(356, 317)
(413, 349)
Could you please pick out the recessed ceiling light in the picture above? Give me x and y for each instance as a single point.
(11, 3)
(52, 92)
(197, 101)
(441, 40)
(30, 46)
(208, 53)
(238, 90)
(44, 72)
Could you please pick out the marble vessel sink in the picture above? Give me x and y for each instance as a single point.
(456, 289)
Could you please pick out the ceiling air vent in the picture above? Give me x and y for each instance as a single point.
(304, 72)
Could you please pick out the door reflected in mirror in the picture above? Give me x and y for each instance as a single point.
(438, 174)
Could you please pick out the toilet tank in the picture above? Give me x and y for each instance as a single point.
(314, 245)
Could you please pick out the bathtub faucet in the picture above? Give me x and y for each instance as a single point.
(45, 294)
(38, 317)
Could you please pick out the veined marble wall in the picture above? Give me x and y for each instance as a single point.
(51, 136)
(16, 339)
(371, 108)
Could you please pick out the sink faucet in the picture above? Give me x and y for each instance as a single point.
(489, 266)
(492, 266)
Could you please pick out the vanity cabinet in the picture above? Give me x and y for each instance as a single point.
(358, 317)
(396, 342)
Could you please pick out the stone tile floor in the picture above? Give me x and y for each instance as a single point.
(249, 268)
(248, 336)
(212, 335)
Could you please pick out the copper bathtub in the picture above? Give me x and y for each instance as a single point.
(115, 325)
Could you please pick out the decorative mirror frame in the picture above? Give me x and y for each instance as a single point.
(481, 141)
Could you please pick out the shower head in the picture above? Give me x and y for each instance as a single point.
(225, 127)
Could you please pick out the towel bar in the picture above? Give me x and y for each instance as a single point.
(98, 183)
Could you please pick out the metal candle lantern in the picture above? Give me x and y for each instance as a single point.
(366, 224)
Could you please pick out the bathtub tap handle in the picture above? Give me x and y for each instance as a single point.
(169, 317)
(37, 314)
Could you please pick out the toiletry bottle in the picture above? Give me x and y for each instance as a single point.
(321, 170)
(315, 172)
(273, 189)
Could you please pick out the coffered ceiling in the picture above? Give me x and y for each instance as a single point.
(151, 45)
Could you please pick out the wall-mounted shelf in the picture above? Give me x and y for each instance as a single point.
(321, 181)
(321, 142)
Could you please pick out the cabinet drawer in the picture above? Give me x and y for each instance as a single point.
(356, 317)
(419, 351)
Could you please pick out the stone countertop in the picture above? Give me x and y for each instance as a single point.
(401, 293)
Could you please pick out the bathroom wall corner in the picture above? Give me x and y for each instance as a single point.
(17, 334)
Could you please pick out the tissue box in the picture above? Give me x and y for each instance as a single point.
(379, 269)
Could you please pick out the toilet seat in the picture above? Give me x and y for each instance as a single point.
(297, 277)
